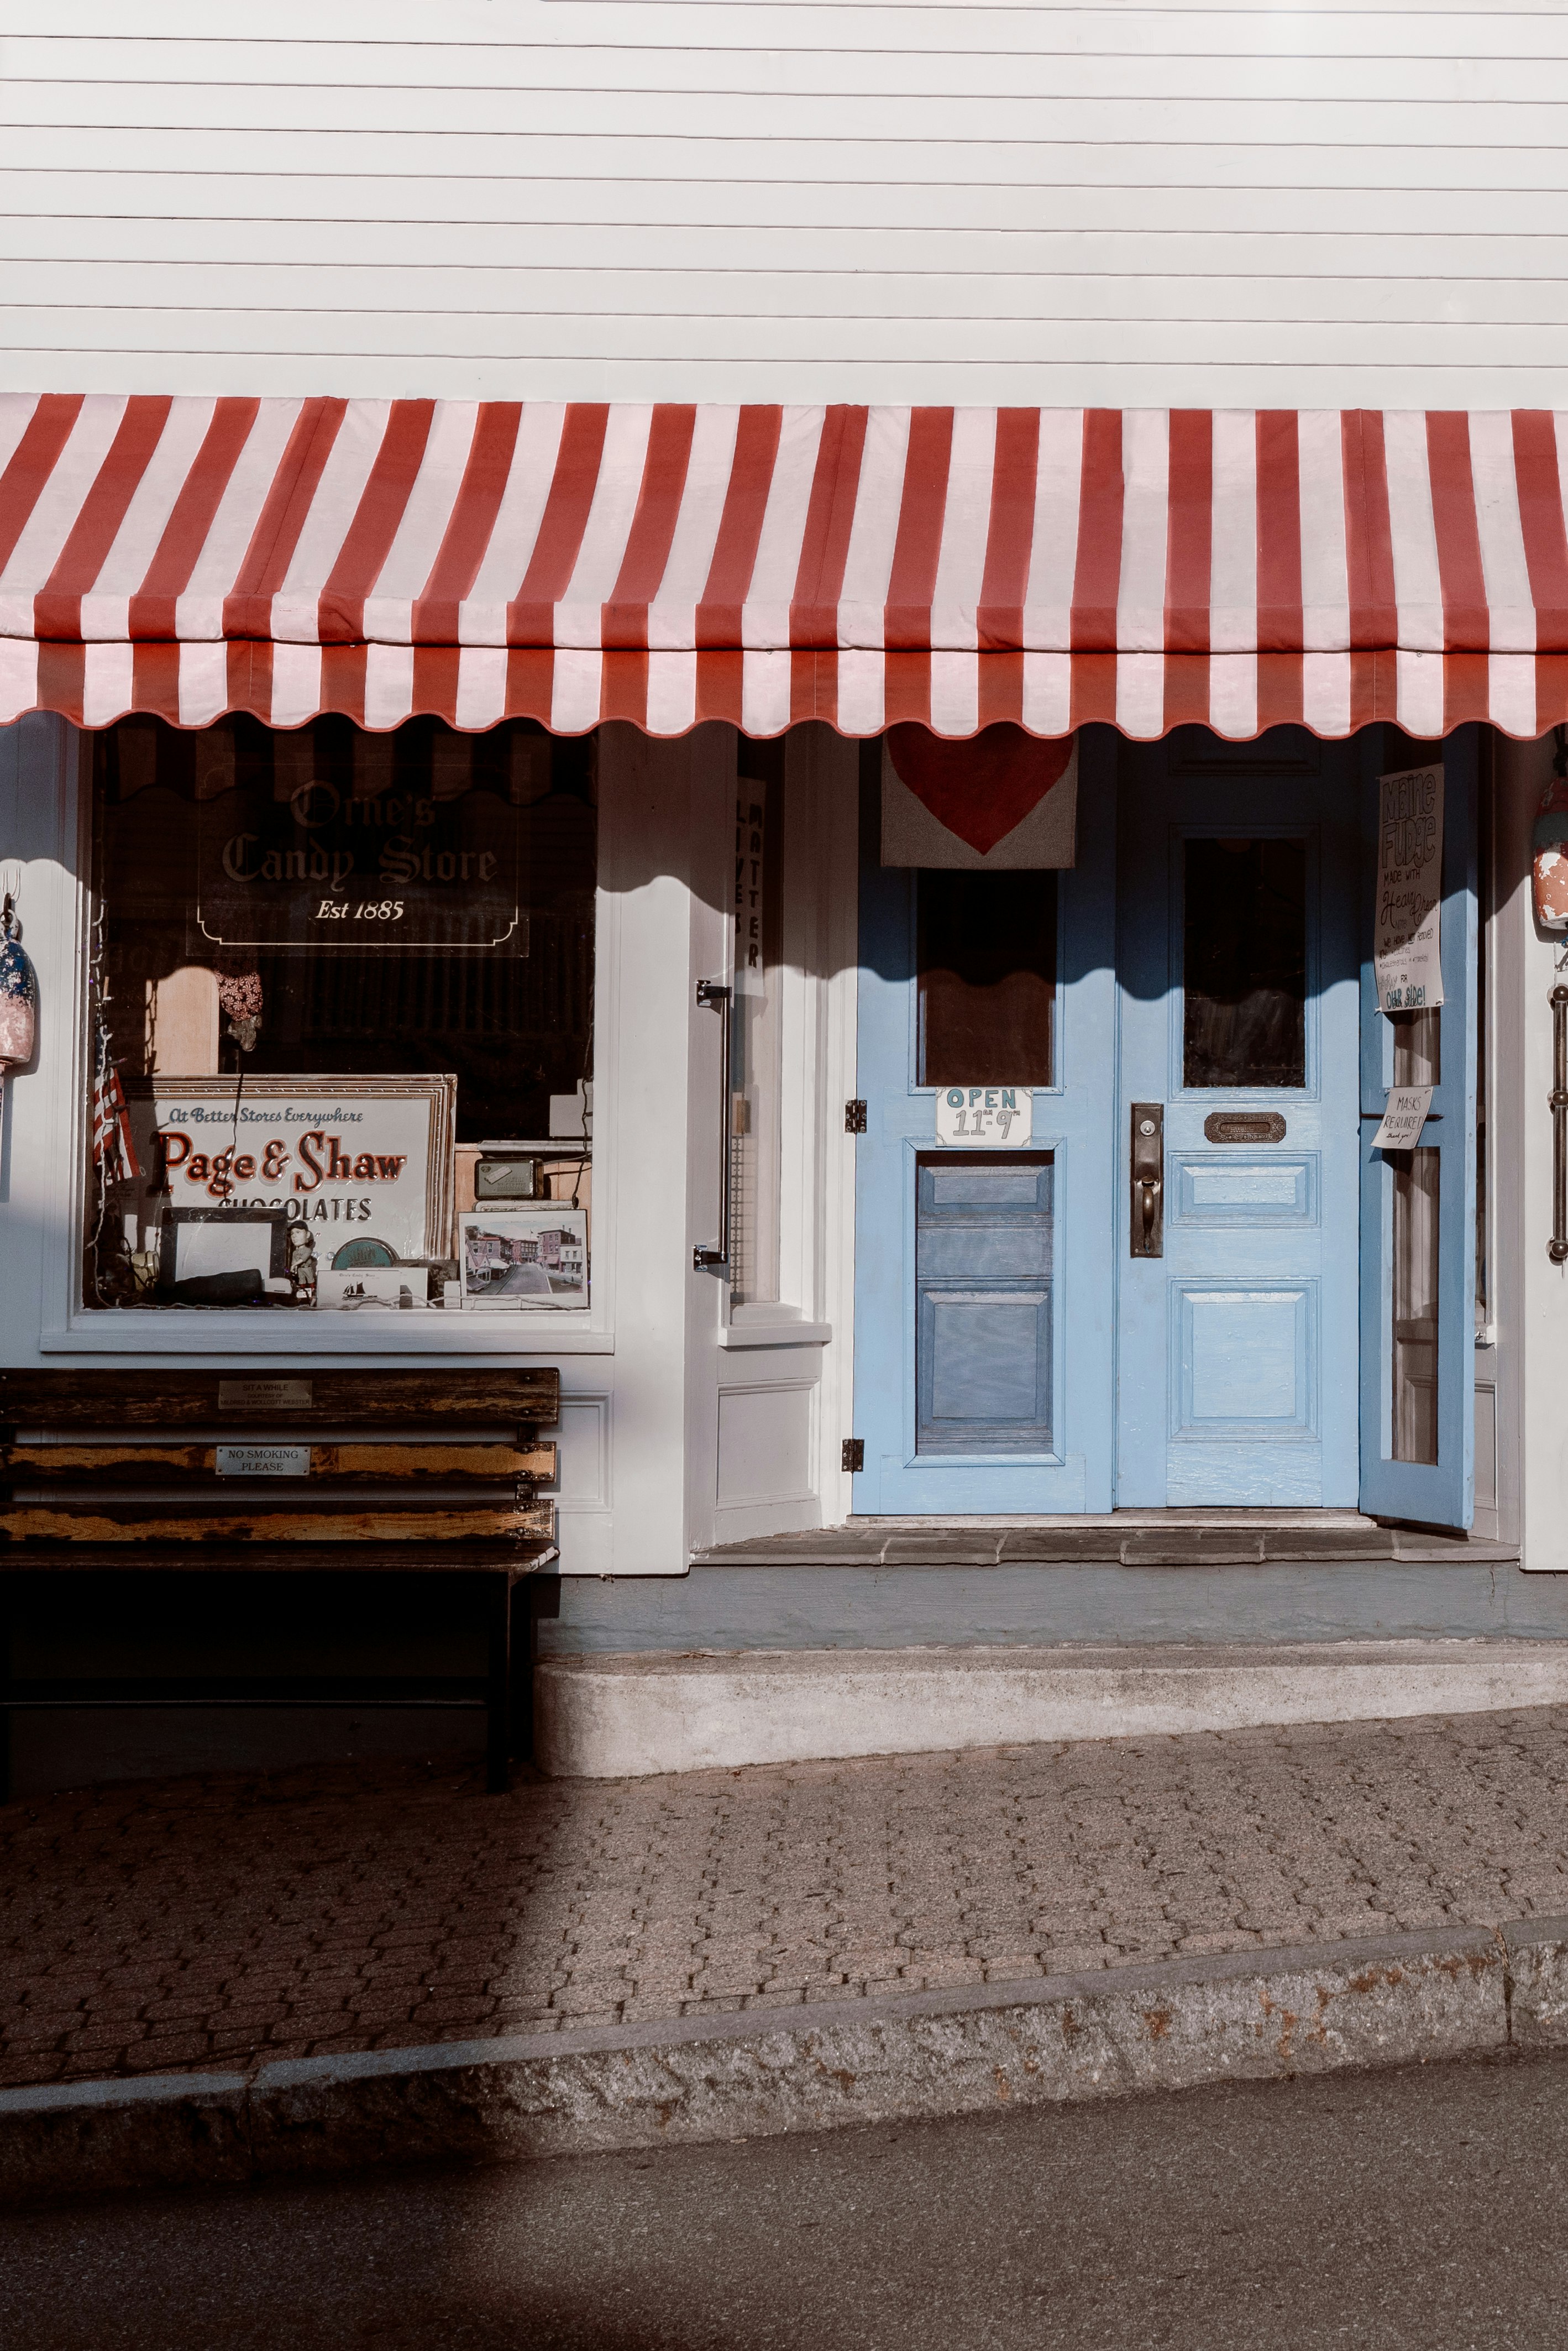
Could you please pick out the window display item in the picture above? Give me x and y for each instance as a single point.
(350, 1158)
(354, 1256)
(374, 1285)
(525, 1258)
(182, 1024)
(573, 1114)
(224, 1256)
(114, 1138)
(507, 1176)
(18, 992)
(302, 1267)
(240, 1001)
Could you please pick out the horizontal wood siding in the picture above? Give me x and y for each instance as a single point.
(730, 199)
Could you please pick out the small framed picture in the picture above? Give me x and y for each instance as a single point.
(224, 1257)
(533, 1259)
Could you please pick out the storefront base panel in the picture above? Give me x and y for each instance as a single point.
(620, 1717)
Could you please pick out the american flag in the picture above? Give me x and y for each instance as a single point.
(113, 1148)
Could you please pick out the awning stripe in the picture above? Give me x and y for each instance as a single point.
(670, 562)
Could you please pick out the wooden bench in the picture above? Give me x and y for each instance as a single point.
(420, 1473)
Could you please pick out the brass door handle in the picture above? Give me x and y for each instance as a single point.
(1147, 1162)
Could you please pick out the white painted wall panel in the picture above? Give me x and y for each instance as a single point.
(736, 198)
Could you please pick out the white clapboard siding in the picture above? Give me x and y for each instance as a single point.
(1404, 266)
(475, 31)
(404, 166)
(1000, 343)
(523, 295)
(711, 199)
(342, 210)
(1005, 98)
(837, 140)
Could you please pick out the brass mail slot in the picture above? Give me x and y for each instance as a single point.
(1244, 1126)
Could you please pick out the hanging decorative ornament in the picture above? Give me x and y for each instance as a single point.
(239, 998)
(1549, 845)
(18, 989)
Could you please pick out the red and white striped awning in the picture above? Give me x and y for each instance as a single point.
(667, 564)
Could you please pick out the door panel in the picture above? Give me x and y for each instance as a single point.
(1243, 1361)
(1418, 1207)
(1228, 1195)
(1239, 978)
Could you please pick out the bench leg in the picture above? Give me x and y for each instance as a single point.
(523, 1670)
(7, 1719)
(498, 1756)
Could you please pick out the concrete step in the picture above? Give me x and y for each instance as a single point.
(623, 1717)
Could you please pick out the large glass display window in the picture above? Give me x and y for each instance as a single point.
(341, 1019)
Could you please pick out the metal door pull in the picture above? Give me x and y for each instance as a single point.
(1147, 1159)
(715, 1259)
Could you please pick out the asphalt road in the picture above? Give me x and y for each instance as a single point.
(1421, 2209)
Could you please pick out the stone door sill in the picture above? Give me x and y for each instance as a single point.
(1126, 1538)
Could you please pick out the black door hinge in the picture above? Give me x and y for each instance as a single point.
(853, 1455)
(854, 1117)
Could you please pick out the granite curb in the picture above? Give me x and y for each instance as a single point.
(1391, 2000)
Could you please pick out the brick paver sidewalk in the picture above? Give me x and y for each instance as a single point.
(230, 1921)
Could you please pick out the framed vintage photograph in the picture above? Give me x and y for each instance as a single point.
(352, 1159)
(535, 1258)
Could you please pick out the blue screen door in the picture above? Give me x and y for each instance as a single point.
(1238, 965)
(984, 1276)
(1418, 1207)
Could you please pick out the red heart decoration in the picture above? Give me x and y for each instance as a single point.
(982, 788)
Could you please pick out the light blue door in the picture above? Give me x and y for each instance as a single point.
(1418, 1207)
(984, 1277)
(1239, 970)
(1196, 1287)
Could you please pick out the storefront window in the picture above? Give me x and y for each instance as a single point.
(341, 1002)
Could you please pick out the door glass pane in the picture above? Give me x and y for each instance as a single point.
(1418, 1048)
(983, 1284)
(1416, 1177)
(987, 955)
(1245, 962)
